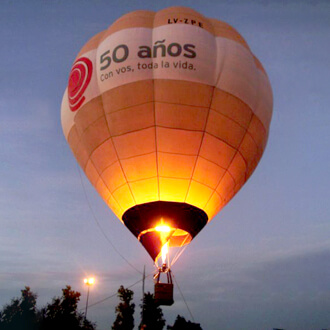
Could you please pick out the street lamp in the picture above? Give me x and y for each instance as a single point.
(89, 282)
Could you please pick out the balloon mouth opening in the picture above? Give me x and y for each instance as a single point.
(169, 241)
(162, 226)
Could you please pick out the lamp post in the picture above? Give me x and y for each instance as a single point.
(89, 282)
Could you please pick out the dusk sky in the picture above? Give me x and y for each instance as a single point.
(264, 260)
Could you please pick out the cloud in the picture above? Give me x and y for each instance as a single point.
(260, 295)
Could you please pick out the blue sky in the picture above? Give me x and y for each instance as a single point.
(263, 262)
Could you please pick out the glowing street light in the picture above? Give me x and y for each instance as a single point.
(89, 282)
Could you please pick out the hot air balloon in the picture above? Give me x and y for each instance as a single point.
(168, 115)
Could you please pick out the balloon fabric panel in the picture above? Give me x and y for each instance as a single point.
(167, 109)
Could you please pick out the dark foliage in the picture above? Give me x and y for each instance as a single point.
(151, 314)
(181, 324)
(21, 313)
(124, 310)
(62, 313)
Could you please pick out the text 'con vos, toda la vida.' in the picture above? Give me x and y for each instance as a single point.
(121, 52)
(185, 65)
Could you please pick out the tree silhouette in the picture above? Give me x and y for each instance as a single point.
(21, 313)
(62, 313)
(151, 314)
(124, 310)
(181, 324)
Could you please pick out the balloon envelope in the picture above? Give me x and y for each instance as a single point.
(168, 115)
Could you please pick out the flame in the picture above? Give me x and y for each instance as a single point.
(164, 231)
(164, 252)
(163, 228)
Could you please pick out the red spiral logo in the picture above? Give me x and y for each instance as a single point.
(80, 77)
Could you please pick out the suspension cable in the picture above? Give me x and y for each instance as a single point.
(179, 252)
(114, 295)
(100, 227)
(192, 317)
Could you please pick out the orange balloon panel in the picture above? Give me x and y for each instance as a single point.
(168, 114)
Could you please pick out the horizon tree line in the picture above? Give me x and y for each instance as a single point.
(62, 313)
